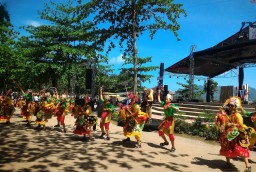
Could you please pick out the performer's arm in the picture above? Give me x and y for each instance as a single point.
(158, 96)
(101, 95)
(20, 88)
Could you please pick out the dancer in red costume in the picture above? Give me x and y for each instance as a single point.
(166, 127)
(233, 137)
(106, 115)
(61, 112)
(85, 119)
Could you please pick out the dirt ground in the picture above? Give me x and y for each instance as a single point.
(24, 149)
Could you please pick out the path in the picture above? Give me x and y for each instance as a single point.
(27, 150)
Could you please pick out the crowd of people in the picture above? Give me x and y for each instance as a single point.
(234, 135)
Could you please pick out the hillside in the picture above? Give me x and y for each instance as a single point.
(252, 94)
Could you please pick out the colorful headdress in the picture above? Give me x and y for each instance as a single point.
(87, 99)
(233, 101)
(131, 95)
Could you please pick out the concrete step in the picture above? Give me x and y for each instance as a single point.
(194, 110)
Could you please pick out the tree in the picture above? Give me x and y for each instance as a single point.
(185, 91)
(127, 20)
(210, 88)
(142, 69)
(67, 40)
(8, 56)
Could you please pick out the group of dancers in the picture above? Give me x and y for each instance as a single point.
(234, 135)
(134, 115)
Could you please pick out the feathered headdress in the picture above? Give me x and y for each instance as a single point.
(233, 101)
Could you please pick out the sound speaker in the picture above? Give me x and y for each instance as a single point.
(88, 81)
(166, 88)
(161, 69)
(80, 102)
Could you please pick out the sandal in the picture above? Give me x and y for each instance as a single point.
(126, 140)
(164, 143)
(173, 150)
(248, 169)
(228, 165)
(138, 144)
(102, 135)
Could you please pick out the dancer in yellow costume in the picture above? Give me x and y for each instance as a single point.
(252, 115)
(233, 136)
(135, 124)
(6, 107)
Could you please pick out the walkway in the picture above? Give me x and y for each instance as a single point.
(27, 150)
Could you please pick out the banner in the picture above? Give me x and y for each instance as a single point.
(252, 33)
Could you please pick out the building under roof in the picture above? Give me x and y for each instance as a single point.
(235, 51)
(239, 50)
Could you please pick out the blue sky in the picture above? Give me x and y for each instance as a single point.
(208, 23)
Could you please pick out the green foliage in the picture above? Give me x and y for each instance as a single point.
(202, 127)
(56, 52)
(142, 69)
(184, 92)
(9, 65)
(127, 20)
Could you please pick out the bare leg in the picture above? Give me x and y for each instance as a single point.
(164, 138)
(107, 131)
(102, 127)
(165, 141)
(248, 168)
(172, 142)
(228, 164)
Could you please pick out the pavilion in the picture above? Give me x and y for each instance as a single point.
(239, 50)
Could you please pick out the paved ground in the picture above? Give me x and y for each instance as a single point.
(24, 149)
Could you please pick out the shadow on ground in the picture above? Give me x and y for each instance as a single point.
(49, 149)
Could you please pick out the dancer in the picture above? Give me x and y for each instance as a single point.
(85, 119)
(251, 131)
(106, 115)
(7, 107)
(46, 111)
(250, 114)
(233, 137)
(135, 121)
(126, 115)
(28, 107)
(167, 125)
(61, 111)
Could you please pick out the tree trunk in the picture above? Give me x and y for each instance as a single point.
(54, 81)
(134, 48)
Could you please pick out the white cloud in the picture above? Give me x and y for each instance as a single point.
(33, 23)
(116, 60)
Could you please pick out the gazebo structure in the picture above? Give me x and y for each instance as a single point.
(237, 51)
